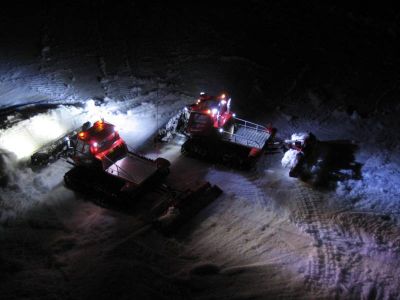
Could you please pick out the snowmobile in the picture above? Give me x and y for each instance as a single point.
(214, 133)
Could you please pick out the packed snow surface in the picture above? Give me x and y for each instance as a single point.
(298, 241)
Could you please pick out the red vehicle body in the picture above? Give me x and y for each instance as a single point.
(209, 113)
(103, 162)
(100, 142)
(104, 167)
(216, 134)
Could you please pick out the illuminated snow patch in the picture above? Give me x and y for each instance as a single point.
(301, 136)
(18, 142)
(46, 129)
(122, 120)
(135, 125)
(24, 138)
(27, 136)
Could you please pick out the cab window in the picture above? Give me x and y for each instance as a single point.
(82, 147)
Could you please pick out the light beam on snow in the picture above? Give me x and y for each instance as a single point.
(122, 120)
(18, 142)
(135, 125)
(47, 129)
(27, 136)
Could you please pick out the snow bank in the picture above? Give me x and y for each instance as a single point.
(27, 136)
(22, 189)
(378, 190)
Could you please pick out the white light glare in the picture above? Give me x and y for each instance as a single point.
(90, 105)
(21, 144)
(214, 111)
(27, 136)
(45, 128)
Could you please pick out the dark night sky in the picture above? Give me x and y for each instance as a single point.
(352, 47)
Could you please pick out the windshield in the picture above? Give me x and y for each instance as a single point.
(209, 104)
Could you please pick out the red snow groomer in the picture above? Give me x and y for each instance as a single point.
(208, 114)
(103, 163)
(216, 134)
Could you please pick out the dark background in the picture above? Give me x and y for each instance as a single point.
(347, 52)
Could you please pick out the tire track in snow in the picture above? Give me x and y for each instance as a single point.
(324, 267)
(236, 224)
(370, 232)
(255, 178)
(249, 237)
(249, 190)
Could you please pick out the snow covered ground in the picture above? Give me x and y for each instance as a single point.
(268, 236)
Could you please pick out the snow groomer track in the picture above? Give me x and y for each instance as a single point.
(323, 269)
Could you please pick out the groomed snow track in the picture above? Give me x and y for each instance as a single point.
(322, 270)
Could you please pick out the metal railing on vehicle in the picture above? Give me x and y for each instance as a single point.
(119, 169)
(251, 125)
(237, 137)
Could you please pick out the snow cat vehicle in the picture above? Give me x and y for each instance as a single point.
(177, 125)
(214, 133)
(104, 166)
(103, 163)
